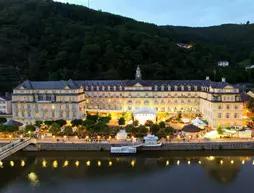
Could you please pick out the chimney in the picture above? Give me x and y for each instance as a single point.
(223, 79)
(207, 78)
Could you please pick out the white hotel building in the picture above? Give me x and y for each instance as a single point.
(218, 102)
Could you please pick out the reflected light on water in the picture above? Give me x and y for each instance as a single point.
(199, 162)
(133, 162)
(189, 162)
(44, 163)
(12, 163)
(66, 163)
(55, 164)
(210, 158)
(23, 163)
(33, 178)
(167, 163)
(88, 163)
(77, 163)
(178, 162)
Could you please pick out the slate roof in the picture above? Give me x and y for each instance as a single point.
(124, 83)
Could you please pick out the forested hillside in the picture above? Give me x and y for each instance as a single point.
(45, 40)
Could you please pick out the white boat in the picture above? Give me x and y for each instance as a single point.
(151, 141)
(123, 150)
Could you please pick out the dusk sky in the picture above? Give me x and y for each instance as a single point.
(177, 12)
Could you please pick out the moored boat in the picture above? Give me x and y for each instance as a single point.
(123, 150)
(151, 141)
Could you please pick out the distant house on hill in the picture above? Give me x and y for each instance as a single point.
(223, 63)
(249, 67)
(185, 46)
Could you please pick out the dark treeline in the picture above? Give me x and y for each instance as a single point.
(45, 40)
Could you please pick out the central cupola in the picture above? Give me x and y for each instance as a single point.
(138, 75)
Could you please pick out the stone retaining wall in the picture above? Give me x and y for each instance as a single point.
(165, 147)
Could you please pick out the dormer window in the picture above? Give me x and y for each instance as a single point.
(162, 88)
(169, 87)
(91, 87)
(156, 87)
(108, 87)
(114, 88)
(175, 88)
(189, 88)
(98, 88)
(103, 88)
(182, 88)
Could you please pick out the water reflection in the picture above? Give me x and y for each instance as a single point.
(44, 168)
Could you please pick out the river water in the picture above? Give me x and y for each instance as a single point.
(100, 172)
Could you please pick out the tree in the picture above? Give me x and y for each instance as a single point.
(77, 122)
(38, 123)
(162, 124)
(135, 123)
(67, 130)
(142, 131)
(220, 130)
(154, 128)
(30, 128)
(6, 128)
(2, 120)
(148, 123)
(61, 122)
(48, 123)
(121, 121)
(55, 129)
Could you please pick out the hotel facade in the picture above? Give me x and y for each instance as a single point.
(218, 102)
